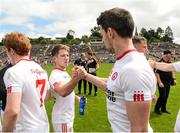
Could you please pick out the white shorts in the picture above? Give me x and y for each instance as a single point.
(62, 127)
(40, 128)
(177, 125)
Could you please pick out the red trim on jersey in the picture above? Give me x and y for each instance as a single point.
(24, 60)
(61, 69)
(9, 89)
(126, 52)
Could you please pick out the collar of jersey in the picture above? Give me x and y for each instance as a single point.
(24, 60)
(125, 53)
(58, 68)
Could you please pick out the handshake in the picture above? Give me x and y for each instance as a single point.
(78, 73)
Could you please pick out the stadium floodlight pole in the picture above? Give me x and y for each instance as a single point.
(94, 53)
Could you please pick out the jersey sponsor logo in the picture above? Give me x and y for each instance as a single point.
(114, 76)
(138, 96)
(110, 96)
(36, 71)
(9, 89)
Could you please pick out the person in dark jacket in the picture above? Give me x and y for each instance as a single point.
(3, 92)
(164, 80)
(81, 62)
(92, 67)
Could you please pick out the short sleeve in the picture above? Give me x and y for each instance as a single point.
(13, 82)
(55, 78)
(138, 85)
(177, 66)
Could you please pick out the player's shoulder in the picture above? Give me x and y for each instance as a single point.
(55, 72)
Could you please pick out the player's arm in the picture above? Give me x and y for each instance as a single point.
(138, 97)
(100, 82)
(11, 111)
(65, 89)
(138, 114)
(164, 66)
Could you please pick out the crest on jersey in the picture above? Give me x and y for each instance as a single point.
(114, 76)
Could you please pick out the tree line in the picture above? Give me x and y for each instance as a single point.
(158, 35)
(152, 35)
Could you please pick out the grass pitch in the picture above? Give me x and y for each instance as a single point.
(95, 118)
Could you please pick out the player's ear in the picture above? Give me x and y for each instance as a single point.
(12, 51)
(54, 58)
(110, 33)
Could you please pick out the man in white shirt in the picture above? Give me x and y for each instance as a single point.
(26, 83)
(169, 67)
(63, 90)
(132, 82)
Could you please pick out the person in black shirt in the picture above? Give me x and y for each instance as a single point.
(92, 67)
(164, 80)
(81, 62)
(3, 92)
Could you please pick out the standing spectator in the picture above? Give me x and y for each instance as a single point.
(128, 102)
(164, 80)
(81, 62)
(63, 90)
(3, 92)
(169, 67)
(26, 83)
(91, 67)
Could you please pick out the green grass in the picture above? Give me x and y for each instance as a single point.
(95, 118)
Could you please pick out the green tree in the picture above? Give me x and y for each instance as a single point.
(160, 32)
(95, 34)
(145, 34)
(70, 34)
(85, 38)
(168, 35)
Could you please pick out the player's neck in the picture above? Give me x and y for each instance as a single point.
(60, 67)
(19, 58)
(122, 45)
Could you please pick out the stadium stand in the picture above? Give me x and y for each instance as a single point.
(42, 53)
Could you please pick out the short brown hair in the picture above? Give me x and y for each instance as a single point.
(18, 42)
(138, 39)
(55, 50)
(119, 19)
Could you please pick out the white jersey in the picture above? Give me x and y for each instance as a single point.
(177, 125)
(28, 78)
(132, 79)
(177, 66)
(63, 110)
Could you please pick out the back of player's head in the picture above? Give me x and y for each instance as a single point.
(138, 39)
(119, 19)
(55, 50)
(18, 42)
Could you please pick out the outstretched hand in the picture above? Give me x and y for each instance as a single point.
(79, 72)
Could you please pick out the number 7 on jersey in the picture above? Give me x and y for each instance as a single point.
(40, 84)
